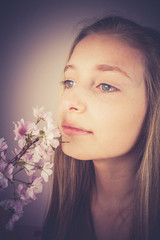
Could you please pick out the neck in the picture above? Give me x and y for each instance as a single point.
(114, 179)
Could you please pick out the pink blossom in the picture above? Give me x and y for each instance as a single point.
(3, 181)
(30, 169)
(3, 165)
(49, 120)
(46, 171)
(22, 128)
(33, 156)
(54, 143)
(39, 112)
(28, 162)
(21, 191)
(9, 171)
(39, 152)
(46, 116)
(50, 136)
(6, 172)
(14, 218)
(21, 143)
(16, 208)
(35, 188)
(27, 157)
(3, 156)
(3, 145)
(56, 133)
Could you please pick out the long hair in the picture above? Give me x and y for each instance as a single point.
(69, 215)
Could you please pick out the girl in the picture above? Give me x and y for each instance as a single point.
(107, 170)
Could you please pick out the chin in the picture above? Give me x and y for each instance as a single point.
(79, 155)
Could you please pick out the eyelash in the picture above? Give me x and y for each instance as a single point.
(65, 82)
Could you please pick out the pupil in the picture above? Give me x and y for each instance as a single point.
(70, 84)
(105, 87)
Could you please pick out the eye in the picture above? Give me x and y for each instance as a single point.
(68, 83)
(107, 88)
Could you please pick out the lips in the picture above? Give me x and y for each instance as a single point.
(71, 130)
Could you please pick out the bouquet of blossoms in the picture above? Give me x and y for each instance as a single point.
(33, 156)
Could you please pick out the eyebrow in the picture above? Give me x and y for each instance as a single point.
(102, 68)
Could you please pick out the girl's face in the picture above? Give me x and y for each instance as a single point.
(103, 103)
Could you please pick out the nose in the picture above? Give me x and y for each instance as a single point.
(74, 102)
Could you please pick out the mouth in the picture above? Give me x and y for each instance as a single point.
(73, 130)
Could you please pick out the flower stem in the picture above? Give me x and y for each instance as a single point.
(24, 150)
(21, 181)
(18, 170)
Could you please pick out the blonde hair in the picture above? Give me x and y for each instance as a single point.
(69, 216)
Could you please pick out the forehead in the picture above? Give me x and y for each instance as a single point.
(105, 41)
(107, 49)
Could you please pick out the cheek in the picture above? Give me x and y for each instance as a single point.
(119, 129)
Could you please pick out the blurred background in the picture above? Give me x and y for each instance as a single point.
(35, 37)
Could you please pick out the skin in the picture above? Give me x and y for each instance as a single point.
(109, 102)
